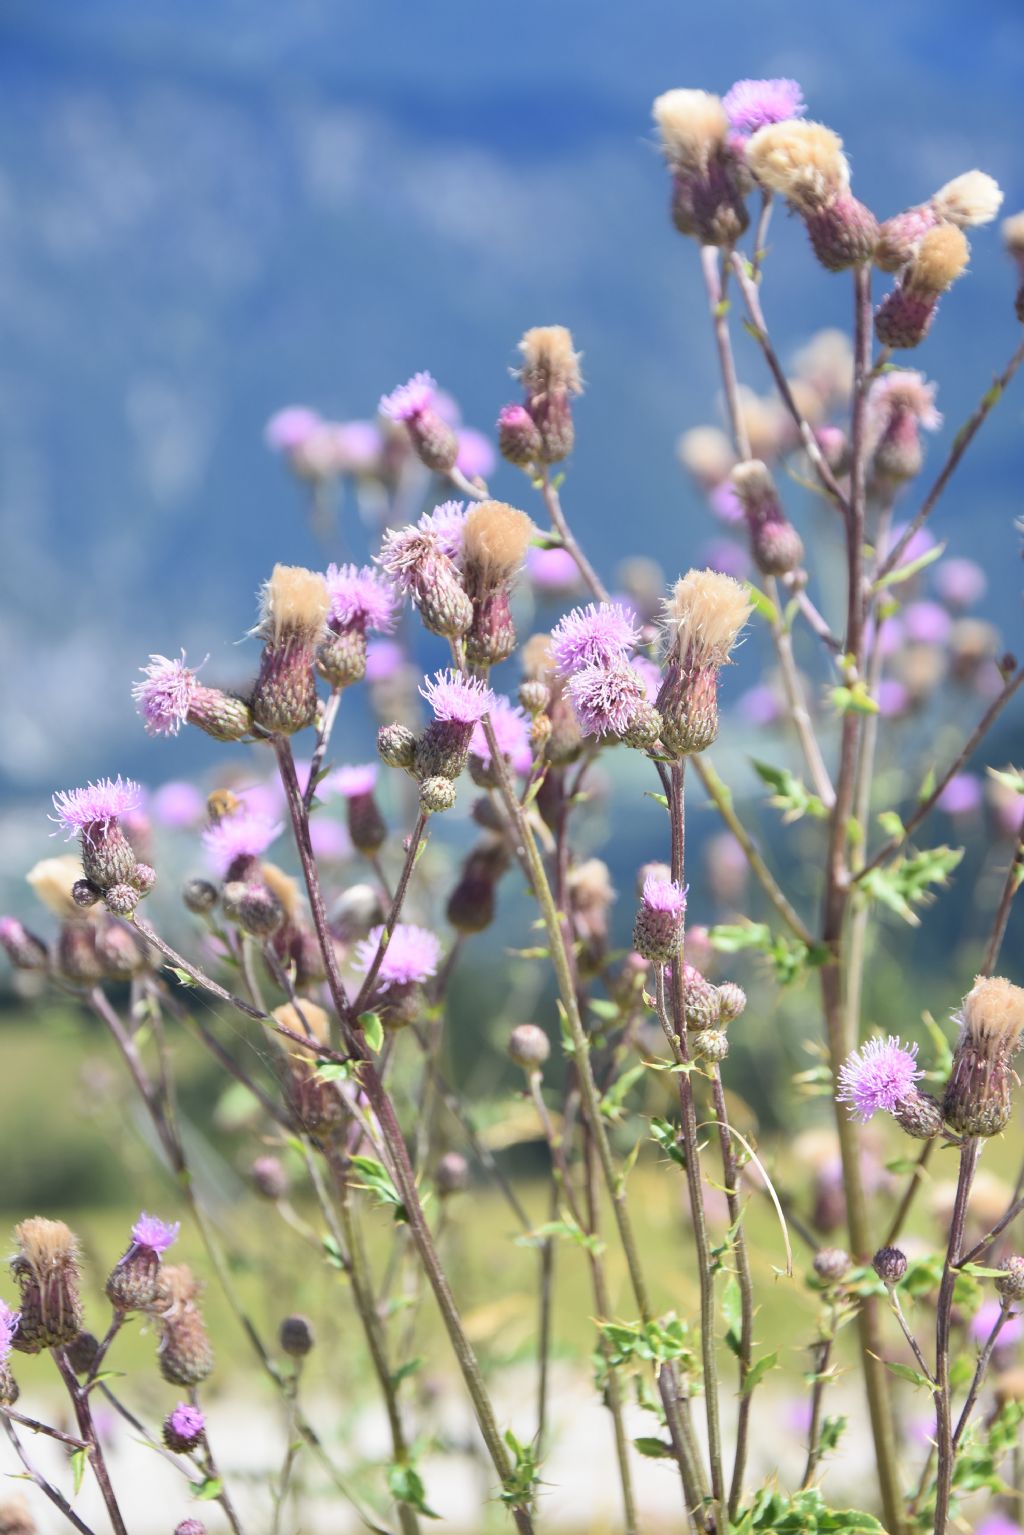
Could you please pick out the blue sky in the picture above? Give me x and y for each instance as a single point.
(209, 210)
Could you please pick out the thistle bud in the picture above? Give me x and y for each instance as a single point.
(774, 542)
(356, 911)
(703, 619)
(184, 1428)
(732, 1001)
(315, 1104)
(550, 375)
(185, 1353)
(1013, 241)
(190, 1527)
(452, 1174)
(296, 1336)
(85, 894)
(121, 951)
(519, 441)
(707, 173)
(75, 957)
(24, 950)
(16, 1518)
(269, 1177)
(831, 1264)
(199, 896)
(890, 1264)
(920, 1115)
(366, 825)
(529, 1046)
(977, 1101)
(396, 745)
(254, 908)
(658, 929)
(711, 1045)
(899, 237)
(121, 900)
(843, 234)
(143, 878)
(534, 695)
(437, 794)
(294, 604)
(1010, 1287)
(82, 1352)
(700, 1000)
(46, 1270)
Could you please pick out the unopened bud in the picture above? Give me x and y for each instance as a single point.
(534, 695)
(85, 894)
(396, 745)
(82, 1352)
(254, 908)
(701, 1001)
(199, 895)
(711, 1045)
(732, 1001)
(920, 1115)
(269, 1177)
(890, 1264)
(24, 950)
(296, 1336)
(451, 1174)
(529, 1046)
(519, 440)
(437, 795)
(1011, 1286)
(143, 878)
(831, 1264)
(121, 900)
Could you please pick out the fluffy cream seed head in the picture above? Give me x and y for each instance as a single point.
(969, 200)
(993, 1014)
(692, 126)
(45, 1246)
(1013, 234)
(704, 615)
(804, 162)
(706, 453)
(51, 880)
(550, 362)
(495, 539)
(283, 886)
(753, 483)
(317, 1022)
(537, 658)
(294, 605)
(938, 261)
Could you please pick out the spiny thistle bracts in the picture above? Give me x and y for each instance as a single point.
(132, 1285)
(417, 558)
(171, 695)
(495, 539)
(701, 621)
(899, 404)
(93, 815)
(550, 375)
(361, 600)
(46, 1270)
(294, 604)
(904, 317)
(184, 1428)
(774, 542)
(185, 1353)
(708, 176)
(658, 928)
(413, 404)
(459, 704)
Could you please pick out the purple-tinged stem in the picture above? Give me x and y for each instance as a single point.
(943, 1322)
(56, 1497)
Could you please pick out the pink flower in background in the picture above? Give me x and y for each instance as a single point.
(649, 674)
(99, 803)
(986, 1317)
(753, 104)
(361, 596)
(962, 795)
(412, 955)
(409, 399)
(892, 698)
(463, 700)
(178, 804)
(383, 659)
(512, 733)
(596, 635)
(730, 558)
(927, 623)
(359, 445)
(350, 781)
(243, 835)
(329, 839)
(725, 503)
(960, 582)
(920, 544)
(880, 1075)
(759, 705)
(476, 457)
(291, 427)
(552, 570)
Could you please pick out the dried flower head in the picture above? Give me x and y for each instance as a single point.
(46, 1269)
(550, 362)
(1013, 235)
(968, 200)
(940, 258)
(692, 126)
(361, 598)
(753, 104)
(305, 1018)
(880, 1075)
(803, 162)
(185, 1353)
(597, 635)
(704, 616)
(294, 604)
(495, 537)
(239, 839)
(52, 879)
(707, 454)
(411, 957)
(977, 1100)
(461, 700)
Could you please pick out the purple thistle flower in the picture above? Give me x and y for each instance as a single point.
(446, 522)
(880, 1075)
(753, 104)
(358, 444)
(166, 694)
(246, 834)
(892, 698)
(927, 623)
(464, 700)
(350, 782)
(726, 504)
(290, 428)
(723, 555)
(155, 1234)
(8, 1327)
(512, 733)
(412, 955)
(329, 839)
(999, 1524)
(662, 894)
(99, 803)
(986, 1317)
(360, 598)
(476, 454)
(759, 705)
(409, 399)
(649, 674)
(188, 1421)
(596, 635)
(605, 698)
(962, 795)
(383, 659)
(552, 570)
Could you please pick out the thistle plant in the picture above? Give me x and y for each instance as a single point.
(337, 961)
